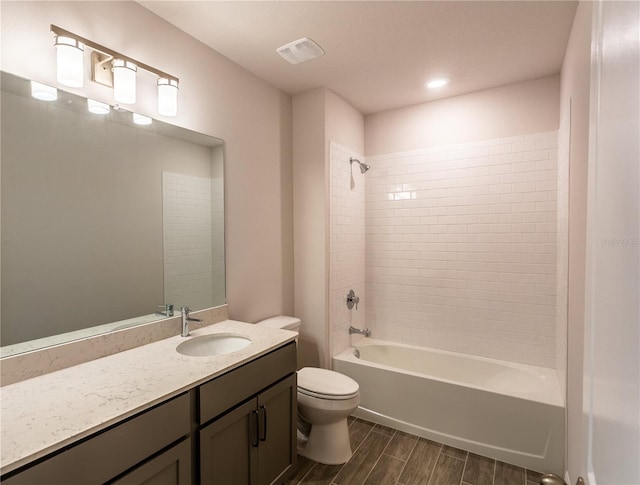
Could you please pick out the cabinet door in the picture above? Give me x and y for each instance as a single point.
(173, 467)
(229, 448)
(277, 408)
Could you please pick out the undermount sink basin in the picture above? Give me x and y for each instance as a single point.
(210, 345)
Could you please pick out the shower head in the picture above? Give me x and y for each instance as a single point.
(363, 166)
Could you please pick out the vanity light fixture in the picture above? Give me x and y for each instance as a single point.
(167, 96)
(124, 81)
(43, 92)
(141, 119)
(437, 82)
(98, 108)
(112, 69)
(69, 61)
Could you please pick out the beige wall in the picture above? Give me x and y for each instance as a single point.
(217, 97)
(515, 109)
(344, 137)
(318, 117)
(309, 222)
(575, 86)
(344, 124)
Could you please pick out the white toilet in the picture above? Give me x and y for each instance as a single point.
(325, 399)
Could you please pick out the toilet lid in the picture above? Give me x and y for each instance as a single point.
(326, 384)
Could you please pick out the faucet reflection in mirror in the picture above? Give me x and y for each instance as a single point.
(109, 68)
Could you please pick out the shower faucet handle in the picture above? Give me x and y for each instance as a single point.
(352, 300)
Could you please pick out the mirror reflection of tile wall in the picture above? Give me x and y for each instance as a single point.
(186, 227)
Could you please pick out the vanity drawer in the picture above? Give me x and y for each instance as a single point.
(107, 454)
(227, 390)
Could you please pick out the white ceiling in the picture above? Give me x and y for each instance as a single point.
(380, 53)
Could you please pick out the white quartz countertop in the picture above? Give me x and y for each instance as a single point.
(46, 413)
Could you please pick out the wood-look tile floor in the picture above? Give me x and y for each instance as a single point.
(384, 456)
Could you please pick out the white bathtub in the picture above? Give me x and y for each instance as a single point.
(508, 411)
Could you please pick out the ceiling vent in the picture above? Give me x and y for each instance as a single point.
(300, 50)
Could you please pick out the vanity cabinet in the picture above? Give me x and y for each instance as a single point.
(238, 428)
(172, 467)
(254, 442)
(108, 454)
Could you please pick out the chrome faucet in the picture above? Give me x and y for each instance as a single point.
(362, 331)
(352, 300)
(186, 319)
(166, 310)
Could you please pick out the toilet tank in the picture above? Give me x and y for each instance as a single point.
(283, 322)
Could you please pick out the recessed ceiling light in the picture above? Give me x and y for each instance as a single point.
(437, 82)
(300, 50)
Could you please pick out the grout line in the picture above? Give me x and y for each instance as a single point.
(389, 442)
(338, 472)
(435, 465)
(456, 457)
(464, 468)
(381, 453)
(495, 465)
(311, 469)
(407, 461)
(353, 452)
(305, 475)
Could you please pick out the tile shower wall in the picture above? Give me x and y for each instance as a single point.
(217, 240)
(461, 248)
(347, 245)
(186, 222)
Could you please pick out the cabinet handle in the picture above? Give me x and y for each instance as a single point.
(263, 436)
(255, 425)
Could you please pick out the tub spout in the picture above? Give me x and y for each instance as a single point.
(362, 331)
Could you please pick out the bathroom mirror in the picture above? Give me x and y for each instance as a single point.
(103, 220)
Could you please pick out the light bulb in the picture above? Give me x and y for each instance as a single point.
(124, 81)
(43, 92)
(167, 97)
(70, 61)
(141, 119)
(97, 107)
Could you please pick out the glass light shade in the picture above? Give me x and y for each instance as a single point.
(98, 108)
(70, 61)
(167, 97)
(43, 92)
(141, 119)
(124, 81)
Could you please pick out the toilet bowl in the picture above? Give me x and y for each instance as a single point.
(325, 399)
